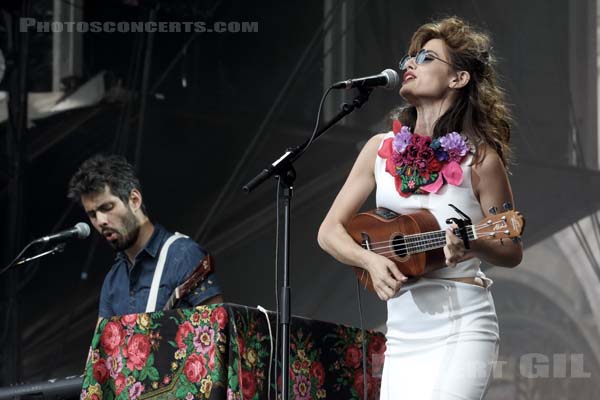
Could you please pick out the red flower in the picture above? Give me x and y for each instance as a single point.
(426, 154)
(194, 368)
(112, 338)
(318, 372)
(359, 384)
(219, 315)
(138, 350)
(120, 384)
(129, 319)
(353, 357)
(211, 356)
(248, 384)
(100, 371)
(376, 345)
(434, 166)
(205, 314)
(195, 318)
(182, 332)
(412, 152)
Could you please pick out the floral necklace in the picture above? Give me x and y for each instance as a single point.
(421, 165)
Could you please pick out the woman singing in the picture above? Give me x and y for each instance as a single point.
(449, 145)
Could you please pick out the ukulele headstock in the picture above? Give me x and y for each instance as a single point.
(200, 273)
(507, 225)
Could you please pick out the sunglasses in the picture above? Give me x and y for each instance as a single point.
(422, 56)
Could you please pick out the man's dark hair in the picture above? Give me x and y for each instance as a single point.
(100, 171)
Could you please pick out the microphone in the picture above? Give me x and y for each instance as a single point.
(388, 78)
(80, 231)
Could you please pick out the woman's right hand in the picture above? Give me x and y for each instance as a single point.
(387, 278)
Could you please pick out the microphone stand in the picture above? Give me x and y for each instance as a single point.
(20, 261)
(59, 248)
(283, 170)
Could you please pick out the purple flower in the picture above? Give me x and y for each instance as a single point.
(401, 139)
(114, 365)
(455, 146)
(302, 388)
(203, 339)
(231, 395)
(136, 390)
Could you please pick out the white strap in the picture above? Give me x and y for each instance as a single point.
(160, 266)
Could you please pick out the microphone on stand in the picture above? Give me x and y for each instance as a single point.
(388, 79)
(80, 231)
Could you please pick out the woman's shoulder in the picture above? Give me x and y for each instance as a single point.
(377, 139)
(488, 162)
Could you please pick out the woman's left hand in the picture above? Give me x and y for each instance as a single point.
(455, 250)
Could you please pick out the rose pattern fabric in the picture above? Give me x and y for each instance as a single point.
(348, 346)
(223, 352)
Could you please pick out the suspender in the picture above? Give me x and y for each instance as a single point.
(160, 265)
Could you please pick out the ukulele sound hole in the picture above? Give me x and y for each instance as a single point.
(399, 246)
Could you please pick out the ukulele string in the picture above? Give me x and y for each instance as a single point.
(473, 227)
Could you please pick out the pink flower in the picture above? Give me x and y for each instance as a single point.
(453, 174)
(219, 315)
(203, 339)
(135, 390)
(129, 319)
(182, 332)
(194, 368)
(112, 338)
(138, 351)
(302, 388)
(120, 384)
(114, 365)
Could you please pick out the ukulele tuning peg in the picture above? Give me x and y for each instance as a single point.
(507, 206)
(493, 210)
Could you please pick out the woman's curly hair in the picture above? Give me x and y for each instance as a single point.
(479, 112)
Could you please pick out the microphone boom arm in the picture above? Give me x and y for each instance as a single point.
(286, 160)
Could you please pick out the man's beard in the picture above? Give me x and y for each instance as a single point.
(131, 231)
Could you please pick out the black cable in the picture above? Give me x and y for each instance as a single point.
(363, 341)
(16, 258)
(276, 356)
(223, 198)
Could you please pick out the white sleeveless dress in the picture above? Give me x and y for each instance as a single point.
(442, 335)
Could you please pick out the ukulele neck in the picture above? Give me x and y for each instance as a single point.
(421, 242)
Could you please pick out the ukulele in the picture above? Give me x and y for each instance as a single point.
(415, 242)
(198, 276)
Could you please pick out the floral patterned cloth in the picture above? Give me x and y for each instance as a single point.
(222, 352)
